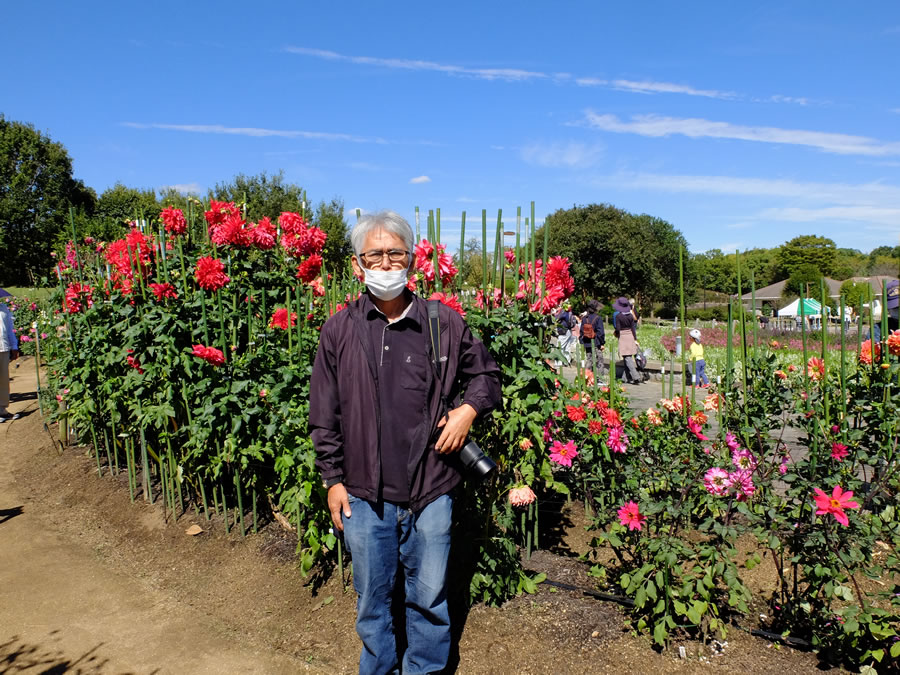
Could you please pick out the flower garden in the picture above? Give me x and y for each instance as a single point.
(182, 352)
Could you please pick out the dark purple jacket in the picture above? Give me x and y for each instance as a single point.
(344, 414)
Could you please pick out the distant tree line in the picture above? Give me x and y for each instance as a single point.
(612, 252)
(37, 190)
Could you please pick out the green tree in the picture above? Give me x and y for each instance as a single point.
(330, 218)
(714, 271)
(116, 207)
(264, 195)
(36, 190)
(613, 252)
(763, 263)
(470, 268)
(855, 293)
(807, 249)
(806, 278)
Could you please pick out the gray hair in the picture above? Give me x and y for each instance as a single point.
(387, 220)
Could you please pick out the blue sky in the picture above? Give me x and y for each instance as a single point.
(742, 125)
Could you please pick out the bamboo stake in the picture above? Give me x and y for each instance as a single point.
(240, 501)
(96, 449)
(487, 305)
(203, 497)
(224, 508)
(462, 243)
(843, 365)
(682, 320)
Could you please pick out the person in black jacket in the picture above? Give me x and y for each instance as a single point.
(593, 346)
(387, 446)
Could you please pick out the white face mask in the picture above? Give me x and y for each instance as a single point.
(385, 284)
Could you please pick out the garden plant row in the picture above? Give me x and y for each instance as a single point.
(183, 351)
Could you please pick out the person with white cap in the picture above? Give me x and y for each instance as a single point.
(697, 358)
(9, 351)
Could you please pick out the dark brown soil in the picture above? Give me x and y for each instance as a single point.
(93, 583)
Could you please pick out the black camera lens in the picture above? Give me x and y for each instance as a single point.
(476, 462)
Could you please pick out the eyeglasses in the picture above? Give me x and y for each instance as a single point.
(372, 258)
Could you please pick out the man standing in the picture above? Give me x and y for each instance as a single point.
(387, 430)
(9, 351)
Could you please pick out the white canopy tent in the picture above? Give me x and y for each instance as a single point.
(811, 308)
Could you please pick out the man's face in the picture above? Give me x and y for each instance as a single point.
(380, 242)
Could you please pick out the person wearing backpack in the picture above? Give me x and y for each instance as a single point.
(565, 322)
(593, 337)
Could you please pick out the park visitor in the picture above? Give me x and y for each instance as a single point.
(565, 322)
(9, 351)
(387, 430)
(625, 324)
(593, 337)
(697, 359)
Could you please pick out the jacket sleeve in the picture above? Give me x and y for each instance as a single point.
(478, 374)
(599, 330)
(325, 410)
(9, 329)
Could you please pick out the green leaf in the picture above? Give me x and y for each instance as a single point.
(659, 634)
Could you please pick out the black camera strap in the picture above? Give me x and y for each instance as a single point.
(434, 327)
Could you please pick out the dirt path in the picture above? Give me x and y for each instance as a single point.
(62, 610)
(91, 583)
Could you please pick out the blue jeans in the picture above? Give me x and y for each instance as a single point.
(701, 372)
(380, 536)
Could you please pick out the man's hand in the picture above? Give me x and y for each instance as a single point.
(13, 354)
(455, 425)
(337, 502)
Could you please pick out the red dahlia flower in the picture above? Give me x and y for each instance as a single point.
(210, 273)
(309, 269)
(218, 211)
(133, 362)
(232, 230)
(630, 516)
(280, 319)
(425, 262)
(835, 504)
(893, 343)
(209, 354)
(263, 234)
(163, 291)
(451, 301)
(815, 368)
(576, 413)
(77, 296)
(298, 238)
(174, 220)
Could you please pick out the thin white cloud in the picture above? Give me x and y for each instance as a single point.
(739, 226)
(509, 74)
(895, 110)
(778, 98)
(844, 194)
(879, 217)
(522, 75)
(657, 126)
(183, 188)
(466, 200)
(256, 132)
(568, 155)
(419, 179)
(645, 87)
